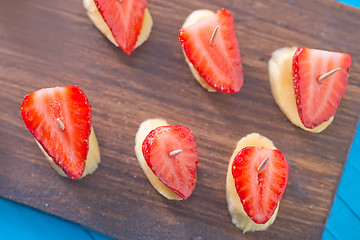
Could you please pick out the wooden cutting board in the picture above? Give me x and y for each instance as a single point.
(50, 43)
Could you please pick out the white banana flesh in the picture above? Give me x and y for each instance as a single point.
(96, 18)
(282, 87)
(145, 128)
(239, 217)
(193, 18)
(92, 159)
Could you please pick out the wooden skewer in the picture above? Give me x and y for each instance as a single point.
(214, 36)
(263, 164)
(60, 124)
(328, 74)
(175, 152)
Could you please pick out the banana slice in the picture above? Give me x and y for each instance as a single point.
(92, 159)
(145, 128)
(98, 21)
(282, 88)
(239, 216)
(195, 17)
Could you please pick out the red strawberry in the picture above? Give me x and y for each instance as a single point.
(260, 192)
(219, 64)
(67, 146)
(317, 101)
(124, 18)
(176, 170)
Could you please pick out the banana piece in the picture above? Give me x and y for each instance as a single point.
(145, 128)
(282, 88)
(96, 18)
(195, 17)
(92, 159)
(238, 215)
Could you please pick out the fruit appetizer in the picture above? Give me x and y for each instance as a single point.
(308, 84)
(255, 182)
(212, 51)
(126, 23)
(60, 120)
(168, 157)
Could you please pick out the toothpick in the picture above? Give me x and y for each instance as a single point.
(214, 36)
(60, 124)
(263, 164)
(175, 152)
(328, 74)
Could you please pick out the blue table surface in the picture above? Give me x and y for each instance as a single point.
(21, 222)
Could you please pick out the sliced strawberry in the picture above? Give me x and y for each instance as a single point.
(316, 100)
(124, 18)
(260, 192)
(219, 64)
(177, 172)
(67, 146)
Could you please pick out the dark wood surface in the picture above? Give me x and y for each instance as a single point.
(50, 43)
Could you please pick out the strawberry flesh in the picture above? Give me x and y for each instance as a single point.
(178, 173)
(68, 147)
(318, 101)
(219, 64)
(260, 192)
(124, 18)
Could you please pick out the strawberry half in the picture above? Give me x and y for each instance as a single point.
(124, 18)
(316, 100)
(66, 142)
(218, 63)
(260, 192)
(171, 153)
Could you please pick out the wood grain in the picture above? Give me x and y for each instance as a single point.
(50, 43)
